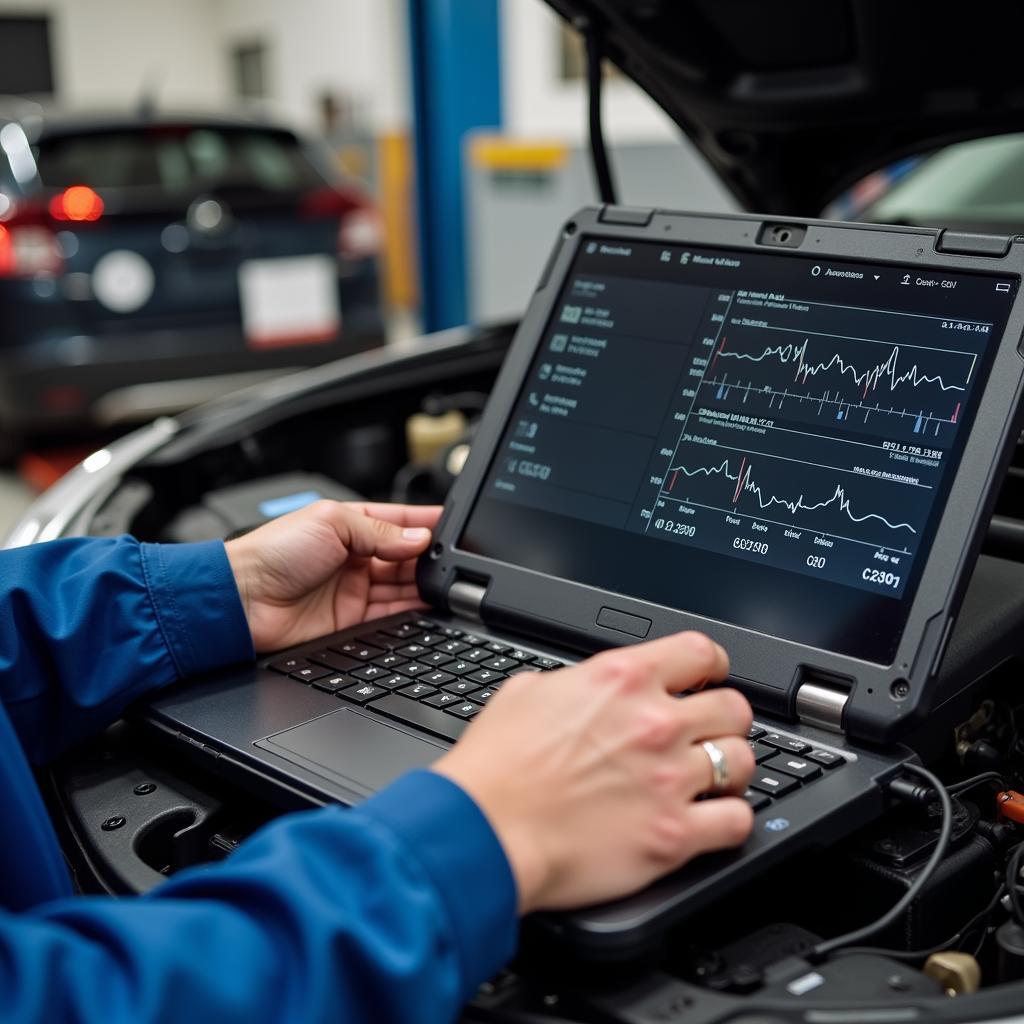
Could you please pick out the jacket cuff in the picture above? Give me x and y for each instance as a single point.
(453, 842)
(197, 605)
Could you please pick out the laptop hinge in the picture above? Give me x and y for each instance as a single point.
(821, 705)
(466, 599)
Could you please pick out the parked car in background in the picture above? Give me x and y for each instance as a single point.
(152, 261)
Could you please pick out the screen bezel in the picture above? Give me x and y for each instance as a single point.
(883, 699)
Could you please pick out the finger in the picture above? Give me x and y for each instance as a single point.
(392, 572)
(365, 536)
(715, 825)
(675, 663)
(703, 716)
(699, 774)
(393, 592)
(380, 609)
(402, 515)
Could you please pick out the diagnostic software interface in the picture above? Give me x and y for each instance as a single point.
(765, 439)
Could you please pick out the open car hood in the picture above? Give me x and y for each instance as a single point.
(793, 102)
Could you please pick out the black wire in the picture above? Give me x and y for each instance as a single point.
(822, 949)
(922, 954)
(961, 787)
(598, 152)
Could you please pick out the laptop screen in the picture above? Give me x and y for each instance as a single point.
(760, 438)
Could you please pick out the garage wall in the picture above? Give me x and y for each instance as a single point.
(354, 48)
(538, 102)
(105, 52)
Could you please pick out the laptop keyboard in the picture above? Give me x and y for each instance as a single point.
(437, 678)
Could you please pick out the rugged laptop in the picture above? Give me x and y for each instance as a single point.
(788, 435)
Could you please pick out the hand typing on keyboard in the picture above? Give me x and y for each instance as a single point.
(328, 566)
(590, 775)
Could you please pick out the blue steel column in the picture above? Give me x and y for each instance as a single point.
(456, 81)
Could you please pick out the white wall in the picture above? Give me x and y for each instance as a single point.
(537, 102)
(105, 52)
(355, 48)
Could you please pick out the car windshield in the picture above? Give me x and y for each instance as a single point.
(176, 160)
(969, 184)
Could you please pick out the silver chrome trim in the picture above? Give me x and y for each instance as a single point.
(466, 599)
(53, 511)
(821, 705)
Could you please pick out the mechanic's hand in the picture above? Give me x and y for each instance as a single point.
(328, 566)
(589, 775)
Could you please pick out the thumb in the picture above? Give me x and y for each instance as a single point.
(367, 536)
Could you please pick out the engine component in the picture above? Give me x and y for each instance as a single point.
(958, 973)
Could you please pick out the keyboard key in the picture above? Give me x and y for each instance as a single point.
(520, 669)
(389, 661)
(310, 673)
(786, 743)
(432, 720)
(451, 632)
(755, 731)
(436, 658)
(288, 665)
(473, 641)
(362, 693)
(413, 669)
(403, 631)
(430, 639)
(462, 686)
(453, 647)
(762, 751)
(757, 801)
(381, 640)
(772, 783)
(339, 662)
(460, 667)
(425, 624)
(548, 663)
(467, 709)
(442, 700)
(798, 767)
(476, 654)
(332, 684)
(417, 690)
(438, 678)
(483, 696)
(354, 649)
(520, 655)
(499, 664)
(485, 676)
(825, 758)
(371, 673)
(495, 648)
(392, 682)
(413, 650)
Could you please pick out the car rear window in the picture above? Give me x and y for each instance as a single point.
(176, 160)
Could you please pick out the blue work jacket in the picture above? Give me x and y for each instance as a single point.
(393, 911)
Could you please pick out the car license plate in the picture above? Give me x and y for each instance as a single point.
(289, 301)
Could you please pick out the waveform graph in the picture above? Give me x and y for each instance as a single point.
(879, 512)
(903, 388)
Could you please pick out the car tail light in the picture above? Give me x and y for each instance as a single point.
(28, 238)
(77, 203)
(359, 230)
(28, 249)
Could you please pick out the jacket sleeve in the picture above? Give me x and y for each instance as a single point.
(88, 625)
(394, 911)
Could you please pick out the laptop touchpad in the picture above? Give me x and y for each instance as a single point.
(353, 749)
